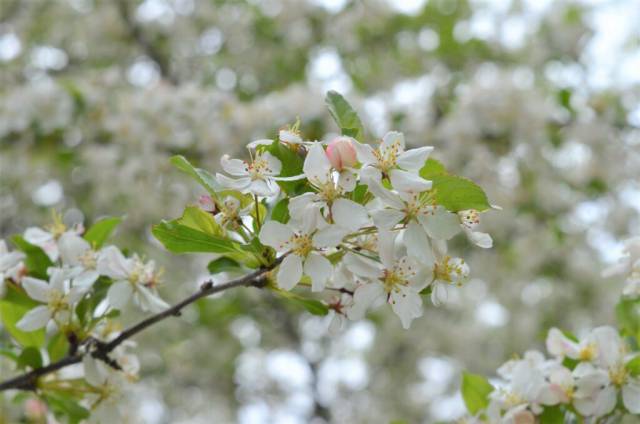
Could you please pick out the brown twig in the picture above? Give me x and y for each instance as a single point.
(100, 350)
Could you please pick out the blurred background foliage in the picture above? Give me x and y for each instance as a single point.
(537, 101)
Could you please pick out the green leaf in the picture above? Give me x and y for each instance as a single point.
(280, 211)
(101, 230)
(361, 194)
(633, 366)
(12, 308)
(292, 164)
(312, 306)
(475, 392)
(30, 357)
(178, 238)
(204, 178)
(196, 218)
(432, 167)
(345, 116)
(223, 265)
(552, 415)
(66, 406)
(58, 347)
(458, 193)
(37, 261)
(628, 317)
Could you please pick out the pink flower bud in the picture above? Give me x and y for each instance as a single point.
(341, 153)
(206, 203)
(35, 409)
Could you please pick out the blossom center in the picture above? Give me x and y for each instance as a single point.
(387, 157)
(450, 270)
(302, 244)
(258, 168)
(618, 375)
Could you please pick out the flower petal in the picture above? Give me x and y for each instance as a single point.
(391, 139)
(386, 248)
(113, 264)
(233, 183)
(273, 164)
(290, 272)
(276, 235)
(119, 294)
(414, 159)
(364, 296)
(385, 219)
(418, 245)
(329, 236)
(364, 152)
(36, 289)
(316, 166)
(235, 167)
(442, 224)
(319, 269)
(406, 181)
(349, 214)
(35, 319)
(406, 303)
(631, 396)
(72, 247)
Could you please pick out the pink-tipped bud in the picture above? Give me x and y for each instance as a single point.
(206, 203)
(341, 153)
(35, 409)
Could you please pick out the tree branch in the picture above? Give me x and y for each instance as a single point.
(101, 350)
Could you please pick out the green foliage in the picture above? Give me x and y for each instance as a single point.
(453, 192)
(204, 178)
(57, 347)
(98, 233)
(65, 406)
(552, 415)
(345, 116)
(12, 308)
(633, 366)
(198, 219)
(223, 265)
(280, 211)
(475, 392)
(292, 164)
(37, 261)
(628, 316)
(30, 357)
(179, 238)
(312, 306)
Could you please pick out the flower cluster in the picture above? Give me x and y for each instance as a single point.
(365, 225)
(592, 378)
(359, 219)
(75, 267)
(587, 375)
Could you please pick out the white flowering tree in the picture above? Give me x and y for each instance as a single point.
(594, 378)
(337, 228)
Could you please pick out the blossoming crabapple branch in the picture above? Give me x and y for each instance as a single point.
(28, 381)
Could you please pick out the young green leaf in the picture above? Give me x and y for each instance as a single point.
(458, 193)
(312, 306)
(12, 308)
(345, 116)
(633, 366)
(98, 233)
(178, 238)
(37, 261)
(432, 167)
(291, 166)
(475, 392)
(552, 415)
(30, 357)
(280, 211)
(204, 178)
(223, 265)
(196, 218)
